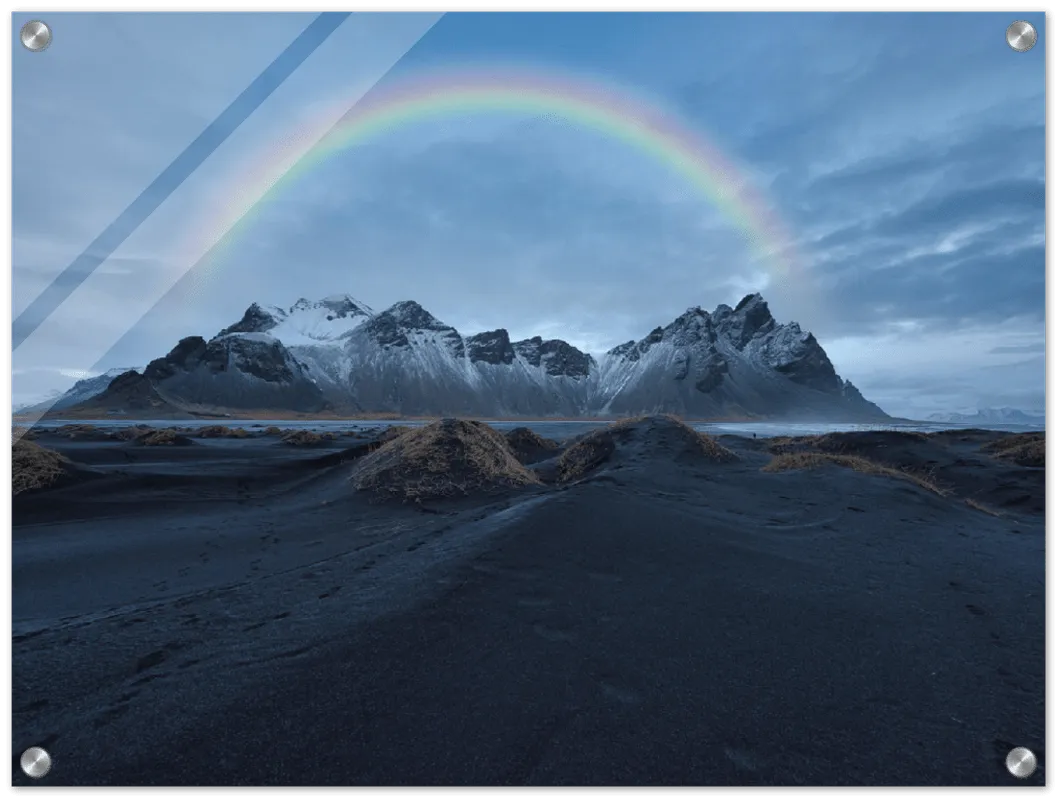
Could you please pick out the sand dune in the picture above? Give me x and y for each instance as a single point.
(644, 608)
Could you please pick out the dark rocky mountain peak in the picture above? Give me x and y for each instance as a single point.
(633, 350)
(557, 356)
(492, 347)
(342, 305)
(691, 327)
(187, 354)
(255, 320)
(749, 318)
(391, 328)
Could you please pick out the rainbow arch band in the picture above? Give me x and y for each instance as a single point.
(618, 115)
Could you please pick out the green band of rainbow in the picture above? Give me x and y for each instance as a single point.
(595, 106)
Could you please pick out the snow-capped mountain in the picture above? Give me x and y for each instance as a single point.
(337, 353)
(991, 416)
(731, 362)
(83, 390)
(304, 323)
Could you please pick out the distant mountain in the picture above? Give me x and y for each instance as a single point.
(130, 394)
(81, 391)
(991, 416)
(339, 354)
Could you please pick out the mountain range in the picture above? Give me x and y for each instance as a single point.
(991, 416)
(338, 355)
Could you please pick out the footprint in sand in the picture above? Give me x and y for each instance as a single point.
(976, 610)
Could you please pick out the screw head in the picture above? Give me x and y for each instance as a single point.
(35, 35)
(36, 762)
(1021, 36)
(1021, 762)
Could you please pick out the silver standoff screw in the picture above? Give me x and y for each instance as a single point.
(1021, 762)
(1021, 36)
(36, 762)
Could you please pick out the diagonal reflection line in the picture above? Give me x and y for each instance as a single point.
(375, 68)
(175, 174)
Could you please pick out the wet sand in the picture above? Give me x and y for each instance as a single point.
(231, 612)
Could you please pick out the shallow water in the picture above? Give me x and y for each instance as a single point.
(553, 429)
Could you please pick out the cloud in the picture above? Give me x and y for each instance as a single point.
(909, 168)
(1036, 347)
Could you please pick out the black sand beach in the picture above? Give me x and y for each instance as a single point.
(647, 610)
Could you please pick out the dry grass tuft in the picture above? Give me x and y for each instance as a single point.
(80, 431)
(527, 443)
(22, 432)
(392, 432)
(130, 433)
(712, 449)
(35, 467)
(586, 454)
(162, 437)
(272, 430)
(664, 431)
(663, 424)
(447, 458)
(1024, 449)
(221, 432)
(305, 438)
(794, 461)
(836, 442)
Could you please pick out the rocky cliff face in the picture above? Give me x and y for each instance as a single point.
(338, 353)
(236, 370)
(731, 362)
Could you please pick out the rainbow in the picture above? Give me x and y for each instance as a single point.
(618, 115)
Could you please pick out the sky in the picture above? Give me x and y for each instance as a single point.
(905, 168)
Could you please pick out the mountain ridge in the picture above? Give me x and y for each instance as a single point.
(337, 355)
(1003, 416)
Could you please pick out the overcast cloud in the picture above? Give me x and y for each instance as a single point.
(909, 168)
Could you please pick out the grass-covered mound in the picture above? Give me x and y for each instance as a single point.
(131, 433)
(165, 437)
(530, 446)
(306, 438)
(661, 434)
(221, 432)
(447, 458)
(811, 460)
(846, 442)
(1024, 449)
(392, 432)
(35, 467)
(587, 453)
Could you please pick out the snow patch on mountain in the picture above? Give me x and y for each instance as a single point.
(306, 322)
